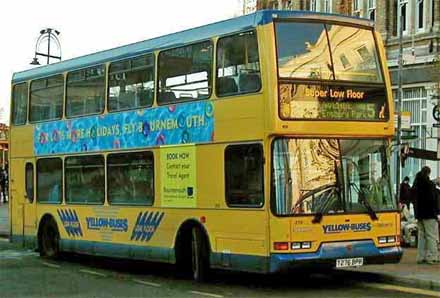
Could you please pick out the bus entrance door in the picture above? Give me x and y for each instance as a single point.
(22, 189)
(29, 204)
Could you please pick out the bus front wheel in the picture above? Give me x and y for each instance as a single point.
(49, 240)
(199, 255)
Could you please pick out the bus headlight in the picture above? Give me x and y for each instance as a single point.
(306, 245)
(301, 245)
(296, 245)
(387, 239)
(391, 239)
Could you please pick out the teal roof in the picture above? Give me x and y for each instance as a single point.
(177, 39)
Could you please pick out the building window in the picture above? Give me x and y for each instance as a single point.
(328, 6)
(185, 73)
(356, 8)
(130, 178)
(314, 5)
(420, 12)
(344, 61)
(85, 181)
(244, 175)
(403, 15)
(49, 180)
(238, 67)
(47, 99)
(372, 10)
(85, 91)
(131, 83)
(19, 104)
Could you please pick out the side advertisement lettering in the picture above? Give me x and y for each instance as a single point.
(178, 176)
(113, 224)
(176, 124)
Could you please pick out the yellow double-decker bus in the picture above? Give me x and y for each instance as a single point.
(256, 144)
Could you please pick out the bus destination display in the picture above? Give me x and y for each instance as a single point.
(321, 102)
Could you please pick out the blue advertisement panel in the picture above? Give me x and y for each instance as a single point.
(177, 124)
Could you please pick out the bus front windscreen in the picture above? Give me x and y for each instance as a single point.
(329, 72)
(331, 176)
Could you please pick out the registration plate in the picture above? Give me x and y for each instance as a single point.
(352, 262)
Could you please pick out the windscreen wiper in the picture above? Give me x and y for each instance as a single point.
(365, 202)
(311, 193)
(319, 214)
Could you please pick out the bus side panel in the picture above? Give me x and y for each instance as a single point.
(16, 199)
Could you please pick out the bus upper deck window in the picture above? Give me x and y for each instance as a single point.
(184, 73)
(46, 100)
(131, 83)
(238, 66)
(85, 91)
(19, 104)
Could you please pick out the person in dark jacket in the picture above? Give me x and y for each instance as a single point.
(426, 213)
(3, 185)
(405, 192)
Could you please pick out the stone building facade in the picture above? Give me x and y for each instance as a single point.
(421, 47)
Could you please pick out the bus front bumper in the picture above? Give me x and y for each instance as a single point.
(328, 253)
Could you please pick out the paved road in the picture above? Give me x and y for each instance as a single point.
(24, 274)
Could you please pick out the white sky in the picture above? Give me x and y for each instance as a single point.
(88, 26)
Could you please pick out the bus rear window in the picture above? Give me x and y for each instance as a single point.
(303, 52)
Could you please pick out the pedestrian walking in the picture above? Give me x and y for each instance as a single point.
(427, 215)
(4, 184)
(405, 192)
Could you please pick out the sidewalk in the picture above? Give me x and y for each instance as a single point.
(406, 273)
(4, 220)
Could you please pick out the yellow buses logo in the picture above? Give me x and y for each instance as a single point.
(340, 228)
(70, 221)
(146, 225)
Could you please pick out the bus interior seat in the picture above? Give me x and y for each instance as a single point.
(249, 82)
(146, 97)
(226, 85)
(167, 97)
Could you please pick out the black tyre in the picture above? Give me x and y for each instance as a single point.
(199, 255)
(49, 240)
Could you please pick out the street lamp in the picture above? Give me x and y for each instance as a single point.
(47, 35)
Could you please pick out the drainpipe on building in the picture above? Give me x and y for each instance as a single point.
(399, 107)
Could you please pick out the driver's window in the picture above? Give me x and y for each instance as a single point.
(351, 178)
(29, 181)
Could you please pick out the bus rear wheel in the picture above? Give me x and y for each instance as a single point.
(199, 255)
(49, 240)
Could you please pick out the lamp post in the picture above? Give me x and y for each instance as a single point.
(47, 35)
